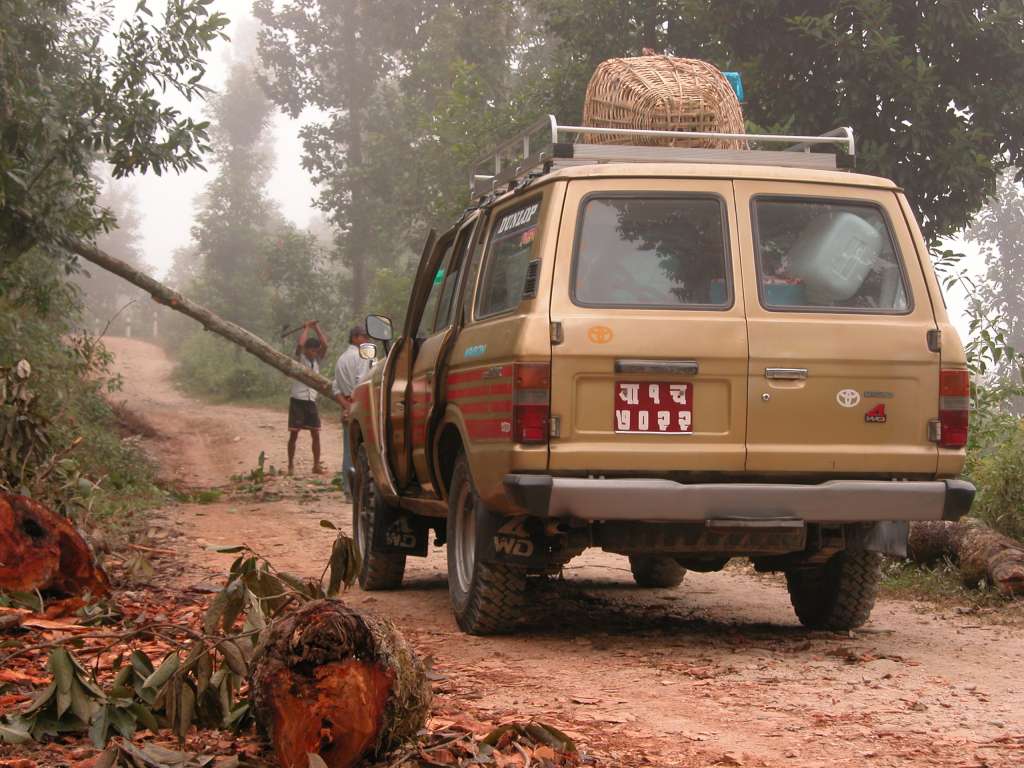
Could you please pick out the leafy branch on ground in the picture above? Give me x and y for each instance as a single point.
(200, 681)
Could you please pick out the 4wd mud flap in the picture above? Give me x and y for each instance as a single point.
(511, 540)
(396, 532)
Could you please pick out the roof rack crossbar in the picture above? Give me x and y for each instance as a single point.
(539, 145)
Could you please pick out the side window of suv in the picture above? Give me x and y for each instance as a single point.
(508, 255)
(456, 267)
(430, 310)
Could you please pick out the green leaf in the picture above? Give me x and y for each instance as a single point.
(233, 657)
(144, 716)
(163, 672)
(82, 702)
(141, 664)
(548, 734)
(328, 524)
(100, 726)
(14, 733)
(186, 711)
(215, 611)
(42, 699)
(230, 550)
(204, 671)
(121, 687)
(123, 720)
(235, 604)
(64, 675)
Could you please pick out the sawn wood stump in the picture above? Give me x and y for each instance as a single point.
(332, 682)
(40, 550)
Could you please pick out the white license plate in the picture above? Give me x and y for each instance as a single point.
(643, 407)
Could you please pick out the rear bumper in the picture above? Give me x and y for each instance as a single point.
(657, 500)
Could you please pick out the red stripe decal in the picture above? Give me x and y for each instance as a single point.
(487, 389)
(497, 407)
(490, 429)
(478, 374)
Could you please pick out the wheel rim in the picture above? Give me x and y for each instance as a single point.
(362, 505)
(465, 539)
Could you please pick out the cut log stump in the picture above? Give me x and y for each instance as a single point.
(980, 553)
(40, 550)
(332, 682)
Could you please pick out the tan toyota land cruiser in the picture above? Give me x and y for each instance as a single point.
(678, 355)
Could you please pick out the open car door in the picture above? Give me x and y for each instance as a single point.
(395, 384)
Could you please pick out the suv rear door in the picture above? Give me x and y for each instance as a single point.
(649, 360)
(838, 315)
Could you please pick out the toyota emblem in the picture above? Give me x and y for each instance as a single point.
(848, 398)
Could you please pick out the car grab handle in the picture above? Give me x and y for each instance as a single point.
(786, 374)
(679, 367)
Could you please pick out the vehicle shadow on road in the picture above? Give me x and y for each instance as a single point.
(580, 607)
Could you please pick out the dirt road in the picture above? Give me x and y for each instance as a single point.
(716, 672)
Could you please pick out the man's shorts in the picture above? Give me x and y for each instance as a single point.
(303, 414)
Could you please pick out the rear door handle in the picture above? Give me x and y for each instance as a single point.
(678, 367)
(786, 374)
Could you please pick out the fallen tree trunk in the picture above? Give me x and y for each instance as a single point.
(331, 682)
(40, 550)
(980, 553)
(236, 334)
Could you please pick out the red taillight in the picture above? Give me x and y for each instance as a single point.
(954, 407)
(531, 402)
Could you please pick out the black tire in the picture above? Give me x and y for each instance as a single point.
(376, 571)
(838, 595)
(487, 598)
(656, 571)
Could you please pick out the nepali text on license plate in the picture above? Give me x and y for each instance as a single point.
(653, 408)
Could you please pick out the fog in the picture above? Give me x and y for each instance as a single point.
(166, 203)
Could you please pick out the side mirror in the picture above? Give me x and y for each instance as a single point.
(379, 327)
(368, 351)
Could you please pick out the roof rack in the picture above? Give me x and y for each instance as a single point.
(544, 146)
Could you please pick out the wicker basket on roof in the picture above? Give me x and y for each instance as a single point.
(662, 93)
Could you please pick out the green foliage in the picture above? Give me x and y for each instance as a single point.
(999, 231)
(339, 59)
(389, 293)
(110, 305)
(247, 263)
(941, 583)
(926, 86)
(197, 683)
(68, 102)
(1000, 480)
(66, 705)
(236, 215)
(211, 367)
(59, 441)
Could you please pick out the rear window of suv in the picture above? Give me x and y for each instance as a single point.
(827, 256)
(658, 251)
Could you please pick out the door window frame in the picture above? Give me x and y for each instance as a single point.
(818, 310)
(487, 254)
(727, 254)
(465, 240)
(443, 243)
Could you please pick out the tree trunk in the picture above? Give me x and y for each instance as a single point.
(357, 241)
(251, 343)
(40, 550)
(331, 682)
(981, 553)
